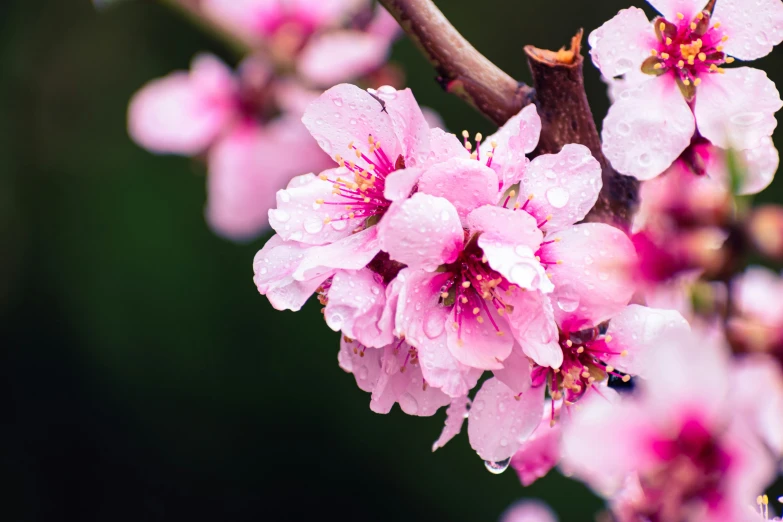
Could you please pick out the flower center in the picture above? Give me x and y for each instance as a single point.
(359, 192)
(687, 48)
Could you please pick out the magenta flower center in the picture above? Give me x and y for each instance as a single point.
(688, 48)
(359, 193)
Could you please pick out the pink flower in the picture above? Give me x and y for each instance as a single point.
(184, 113)
(392, 374)
(528, 511)
(682, 86)
(540, 452)
(697, 457)
(758, 323)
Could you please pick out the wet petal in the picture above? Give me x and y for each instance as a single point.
(338, 56)
(410, 125)
(356, 301)
(564, 186)
(517, 137)
(364, 363)
(593, 277)
(400, 183)
(761, 164)
(670, 8)
(647, 128)
(515, 372)
(737, 109)
(350, 253)
(532, 321)
(477, 344)
(619, 47)
(445, 146)
(753, 30)
(422, 232)
(500, 421)
(539, 453)
(466, 183)
(455, 416)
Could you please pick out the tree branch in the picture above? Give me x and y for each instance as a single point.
(462, 70)
(559, 95)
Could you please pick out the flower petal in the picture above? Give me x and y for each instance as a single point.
(637, 330)
(364, 364)
(510, 240)
(515, 372)
(532, 321)
(356, 300)
(564, 186)
(350, 253)
(593, 277)
(620, 46)
(540, 453)
(761, 164)
(757, 394)
(338, 56)
(483, 345)
(500, 421)
(345, 115)
(670, 8)
(757, 294)
(466, 183)
(737, 109)
(444, 146)
(647, 128)
(422, 232)
(400, 183)
(410, 125)
(528, 511)
(517, 137)
(183, 113)
(752, 30)
(455, 416)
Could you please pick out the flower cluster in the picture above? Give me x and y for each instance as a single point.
(247, 124)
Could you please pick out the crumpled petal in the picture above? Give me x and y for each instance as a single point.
(593, 275)
(500, 421)
(647, 128)
(564, 186)
(422, 232)
(467, 184)
(737, 109)
(515, 372)
(510, 240)
(356, 300)
(517, 137)
(620, 45)
(338, 56)
(753, 31)
(532, 322)
(298, 216)
(455, 416)
(421, 320)
(183, 113)
(636, 331)
(273, 269)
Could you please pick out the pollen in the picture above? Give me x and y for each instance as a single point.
(626, 378)
(466, 284)
(608, 338)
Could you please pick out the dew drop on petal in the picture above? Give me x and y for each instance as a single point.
(746, 119)
(496, 468)
(363, 373)
(313, 225)
(281, 215)
(339, 224)
(433, 325)
(338, 101)
(557, 197)
(409, 404)
(285, 197)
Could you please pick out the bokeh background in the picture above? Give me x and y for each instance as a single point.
(143, 377)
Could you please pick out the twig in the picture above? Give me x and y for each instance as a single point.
(559, 95)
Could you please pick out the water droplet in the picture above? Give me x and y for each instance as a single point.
(568, 302)
(557, 197)
(496, 468)
(297, 235)
(603, 276)
(409, 404)
(623, 128)
(284, 196)
(313, 225)
(339, 224)
(550, 174)
(478, 405)
(353, 121)
(281, 215)
(336, 321)
(588, 260)
(338, 101)
(434, 324)
(645, 160)
(746, 119)
(363, 373)
(263, 270)
(504, 442)
(622, 66)
(444, 215)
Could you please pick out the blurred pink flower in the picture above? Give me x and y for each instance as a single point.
(528, 511)
(682, 86)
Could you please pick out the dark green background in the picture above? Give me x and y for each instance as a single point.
(143, 377)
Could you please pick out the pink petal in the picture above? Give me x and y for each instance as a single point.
(479, 345)
(670, 8)
(183, 113)
(515, 372)
(444, 146)
(737, 109)
(500, 421)
(540, 453)
(637, 330)
(321, 13)
(350, 253)
(593, 280)
(564, 186)
(757, 394)
(346, 114)
(248, 166)
(400, 183)
(410, 125)
(297, 215)
(517, 137)
(761, 164)
(292, 97)
(421, 320)
(532, 321)
(757, 294)
(365, 365)
(273, 269)
(356, 301)
(647, 128)
(339, 56)
(753, 30)
(620, 46)
(510, 240)
(528, 511)
(384, 25)
(249, 19)
(405, 386)
(422, 232)
(455, 416)
(466, 183)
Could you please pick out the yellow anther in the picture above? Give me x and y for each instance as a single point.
(501, 333)
(559, 261)
(609, 369)
(490, 154)
(557, 240)
(680, 16)
(465, 134)
(466, 284)
(585, 374)
(700, 16)
(713, 67)
(479, 136)
(501, 311)
(444, 295)
(624, 353)
(358, 153)
(322, 176)
(480, 319)
(569, 343)
(680, 64)
(473, 155)
(512, 193)
(693, 26)
(658, 66)
(662, 26)
(719, 48)
(370, 139)
(608, 338)
(479, 277)
(668, 41)
(626, 378)
(725, 37)
(327, 220)
(351, 215)
(702, 57)
(367, 200)
(697, 82)
(717, 25)
(549, 217)
(581, 349)
(476, 311)
(729, 60)
(654, 52)
(319, 201)
(665, 56)
(468, 145)
(686, 82)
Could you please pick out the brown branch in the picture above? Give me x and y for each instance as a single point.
(558, 93)
(462, 70)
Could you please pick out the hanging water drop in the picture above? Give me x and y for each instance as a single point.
(496, 468)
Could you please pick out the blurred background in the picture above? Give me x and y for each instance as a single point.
(143, 376)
